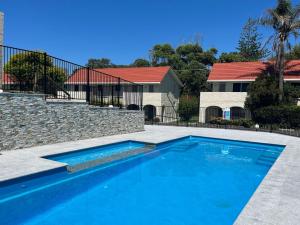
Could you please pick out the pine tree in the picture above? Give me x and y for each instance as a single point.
(250, 46)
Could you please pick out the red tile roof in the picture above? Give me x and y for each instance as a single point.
(248, 71)
(138, 74)
(135, 74)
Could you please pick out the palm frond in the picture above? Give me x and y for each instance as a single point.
(295, 33)
(288, 45)
(295, 25)
(275, 15)
(268, 41)
(296, 11)
(267, 20)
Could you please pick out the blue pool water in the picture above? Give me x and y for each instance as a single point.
(85, 155)
(191, 181)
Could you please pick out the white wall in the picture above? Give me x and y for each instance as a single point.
(220, 99)
(152, 98)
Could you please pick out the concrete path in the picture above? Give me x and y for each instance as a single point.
(276, 201)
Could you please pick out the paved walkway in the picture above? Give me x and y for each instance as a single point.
(276, 201)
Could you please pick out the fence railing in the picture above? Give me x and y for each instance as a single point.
(37, 72)
(163, 114)
(263, 128)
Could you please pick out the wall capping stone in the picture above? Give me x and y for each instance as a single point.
(20, 94)
(66, 103)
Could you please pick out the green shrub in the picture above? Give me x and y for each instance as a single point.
(188, 107)
(286, 116)
(264, 92)
(241, 122)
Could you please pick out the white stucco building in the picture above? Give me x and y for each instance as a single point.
(229, 82)
(161, 88)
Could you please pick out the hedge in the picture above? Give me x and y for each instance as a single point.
(286, 116)
(241, 122)
(188, 107)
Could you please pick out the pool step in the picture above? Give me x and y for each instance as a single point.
(274, 151)
(111, 158)
(184, 147)
(266, 160)
(270, 156)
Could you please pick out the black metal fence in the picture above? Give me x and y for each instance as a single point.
(162, 114)
(37, 72)
(262, 128)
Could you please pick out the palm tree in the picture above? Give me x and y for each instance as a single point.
(285, 20)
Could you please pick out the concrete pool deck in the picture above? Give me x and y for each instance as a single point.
(276, 201)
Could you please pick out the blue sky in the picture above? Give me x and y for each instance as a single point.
(124, 30)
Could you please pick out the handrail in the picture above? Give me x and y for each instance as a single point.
(61, 89)
(66, 61)
(172, 105)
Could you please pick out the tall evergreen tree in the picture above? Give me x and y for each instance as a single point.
(190, 62)
(285, 20)
(140, 63)
(231, 57)
(250, 46)
(100, 63)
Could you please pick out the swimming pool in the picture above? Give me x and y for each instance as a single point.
(190, 181)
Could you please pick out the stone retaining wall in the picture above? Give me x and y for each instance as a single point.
(28, 120)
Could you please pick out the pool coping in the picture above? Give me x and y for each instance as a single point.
(276, 200)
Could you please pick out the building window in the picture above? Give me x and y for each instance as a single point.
(151, 88)
(240, 87)
(118, 87)
(245, 87)
(134, 88)
(237, 87)
(222, 87)
(76, 88)
(297, 85)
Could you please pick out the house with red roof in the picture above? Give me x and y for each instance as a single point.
(161, 87)
(229, 83)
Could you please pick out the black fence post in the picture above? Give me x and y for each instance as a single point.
(141, 92)
(87, 90)
(112, 95)
(101, 97)
(118, 91)
(45, 73)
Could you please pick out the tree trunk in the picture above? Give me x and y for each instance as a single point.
(280, 64)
